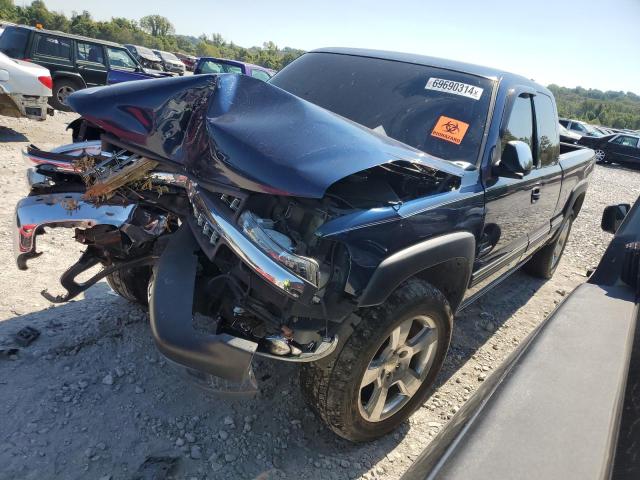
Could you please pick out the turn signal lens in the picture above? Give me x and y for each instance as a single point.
(46, 81)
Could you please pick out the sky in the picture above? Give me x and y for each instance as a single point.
(588, 43)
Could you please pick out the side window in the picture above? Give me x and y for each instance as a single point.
(520, 126)
(548, 137)
(55, 47)
(88, 52)
(260, 75)
(564, 123)
(121, 58)
(626, 141)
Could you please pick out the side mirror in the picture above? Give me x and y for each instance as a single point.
(612, 217)
(516, 160)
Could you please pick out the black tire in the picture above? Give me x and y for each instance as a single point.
(332, 387)
(131, 284)
(62, 87)
(544, 262)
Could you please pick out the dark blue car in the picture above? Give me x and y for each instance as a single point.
(75, 62)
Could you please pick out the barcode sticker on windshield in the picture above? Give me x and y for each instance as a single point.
(457, 88)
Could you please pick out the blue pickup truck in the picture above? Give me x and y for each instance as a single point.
(337, 224)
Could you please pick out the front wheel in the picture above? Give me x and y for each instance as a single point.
(131, 284)
(385, 368)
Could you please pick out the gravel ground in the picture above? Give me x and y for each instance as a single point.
(92, 398)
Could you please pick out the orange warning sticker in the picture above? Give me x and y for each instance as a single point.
(450, 129)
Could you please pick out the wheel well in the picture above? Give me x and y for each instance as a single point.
(77, 80)
(450, 277)
(577, 205)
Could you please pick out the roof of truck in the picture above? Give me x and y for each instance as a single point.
(478, 70)
(68, 35)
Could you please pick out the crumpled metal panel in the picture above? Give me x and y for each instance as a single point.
(242, 132)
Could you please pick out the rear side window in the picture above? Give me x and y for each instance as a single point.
(548, 137)
(54, 47)
(89, 52)
(13, 42)
(520, 126)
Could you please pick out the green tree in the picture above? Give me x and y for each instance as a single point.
(157, 25)
(7, 10)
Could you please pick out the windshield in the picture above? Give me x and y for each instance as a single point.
(592, 130)
(168, 56)
(441, 112)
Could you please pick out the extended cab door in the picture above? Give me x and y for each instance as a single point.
(509, 205)
(519, 210)
(547, 171)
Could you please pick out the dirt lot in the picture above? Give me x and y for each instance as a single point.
(92, 398)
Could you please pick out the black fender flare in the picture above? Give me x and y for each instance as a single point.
(413, 260)
(72, 75)
(578, 190)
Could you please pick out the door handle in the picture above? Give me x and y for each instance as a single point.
(535, 194)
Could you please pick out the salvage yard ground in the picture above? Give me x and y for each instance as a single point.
(92, 398)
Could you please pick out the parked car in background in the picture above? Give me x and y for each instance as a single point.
(25, 89)
(567, 136)
(337, 224)
(223, 65)
(75, 62)
(188, 60)
(146, 57)
(580, 127)
(620, 148)
(170, 63)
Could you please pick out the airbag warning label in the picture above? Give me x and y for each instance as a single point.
(450, 130)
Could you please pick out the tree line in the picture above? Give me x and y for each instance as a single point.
(610, 109)
(153, 31)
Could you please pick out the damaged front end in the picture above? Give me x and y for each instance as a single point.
(248, 203)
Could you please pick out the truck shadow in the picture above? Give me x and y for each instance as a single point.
(91, 338)
(10, 135)
(478, 323)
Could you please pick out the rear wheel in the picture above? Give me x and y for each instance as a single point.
(385, 368)
(62, 88)
(543, 264)
(131, 283)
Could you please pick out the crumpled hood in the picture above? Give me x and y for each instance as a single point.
(243, 132)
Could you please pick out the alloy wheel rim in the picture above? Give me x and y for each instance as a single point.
(398, 368)
(559, 247)
(63, 93)
(599, 155)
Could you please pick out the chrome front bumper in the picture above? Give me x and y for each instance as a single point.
(66, 210)
(215, 226)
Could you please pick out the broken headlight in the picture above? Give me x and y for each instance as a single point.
(278, 246)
